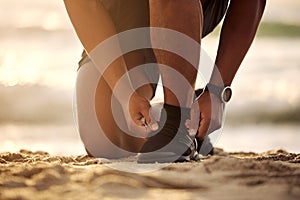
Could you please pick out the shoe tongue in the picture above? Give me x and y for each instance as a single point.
(176, 114)
(172, 119)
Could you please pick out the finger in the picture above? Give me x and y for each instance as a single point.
(146, 114)
(153, 123)
(203, 128)
(194, 122)
(138, 131)
(136, 127)
(150, 127)
(138, 120)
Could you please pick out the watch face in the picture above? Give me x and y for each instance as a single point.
(226, 94)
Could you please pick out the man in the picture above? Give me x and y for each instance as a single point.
(173, 141)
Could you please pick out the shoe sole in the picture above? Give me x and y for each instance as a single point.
(161, 157)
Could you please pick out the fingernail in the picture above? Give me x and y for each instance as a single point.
(192, 132)
(154, 127)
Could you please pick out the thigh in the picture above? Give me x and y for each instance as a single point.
(128, 14)
(98, 131)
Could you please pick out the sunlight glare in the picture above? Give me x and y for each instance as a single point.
(14, 72)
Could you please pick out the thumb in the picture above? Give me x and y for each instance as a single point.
(155, 114)
(153, 123)
(203, 129)
(146, 115)
(150, 119)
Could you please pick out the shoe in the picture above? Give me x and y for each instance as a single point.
(171, 143)
(204, 147)
(167, 146)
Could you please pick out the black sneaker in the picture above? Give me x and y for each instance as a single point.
(204, 147)
(171, 143)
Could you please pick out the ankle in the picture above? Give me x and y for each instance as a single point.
(175, 114)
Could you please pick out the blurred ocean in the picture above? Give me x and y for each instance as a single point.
(38, 61)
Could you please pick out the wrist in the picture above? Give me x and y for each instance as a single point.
(224, 93)
(124, 93)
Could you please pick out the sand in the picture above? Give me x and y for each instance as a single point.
(38, 175)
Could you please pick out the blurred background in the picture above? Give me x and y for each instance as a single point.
(39, 52)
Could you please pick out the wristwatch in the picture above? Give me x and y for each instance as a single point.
(224, 93)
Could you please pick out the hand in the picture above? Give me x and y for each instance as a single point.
(138, 116)
(206, 115)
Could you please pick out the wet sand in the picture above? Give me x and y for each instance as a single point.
(38, 175)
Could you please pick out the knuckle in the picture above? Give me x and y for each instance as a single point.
(144, 105)
(146, 111)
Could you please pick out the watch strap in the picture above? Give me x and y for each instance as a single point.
(216, 90)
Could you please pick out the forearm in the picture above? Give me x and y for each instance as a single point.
(93, 25)
(238, 31)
